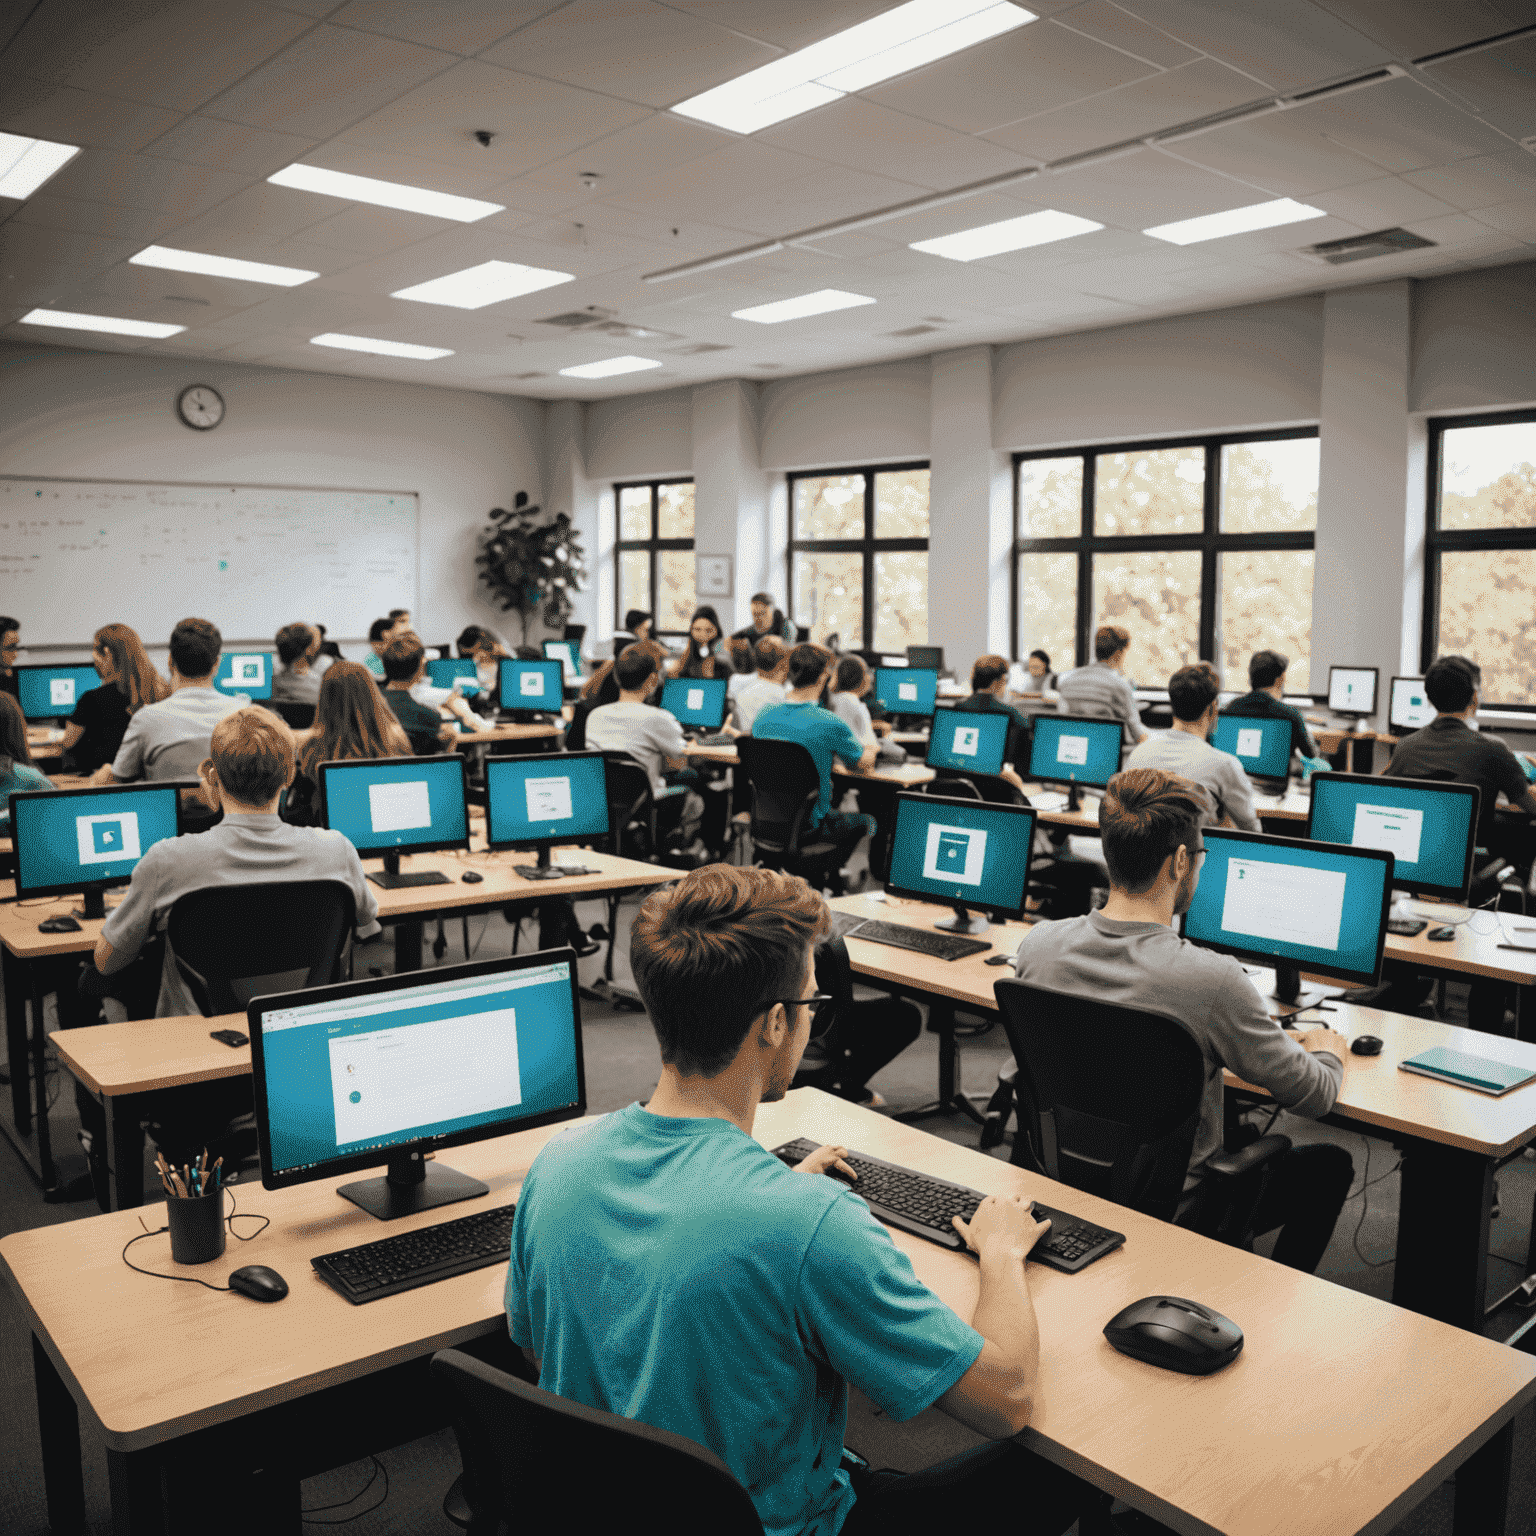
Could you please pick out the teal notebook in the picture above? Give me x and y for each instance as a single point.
(1479, 1072)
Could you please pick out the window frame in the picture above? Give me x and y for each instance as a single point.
(653, 545)
(867, 547)
(1438, 540)
(1209, 542)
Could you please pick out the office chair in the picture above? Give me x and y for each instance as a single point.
(785, 787)
(537, 1462)
(954, 788)
(851, 1039)
(635, 817)
(298, 716)
(576, 632)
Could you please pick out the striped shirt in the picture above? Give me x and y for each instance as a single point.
(169, 740)
(1100, 691)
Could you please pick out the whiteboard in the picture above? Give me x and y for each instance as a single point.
(77, 554)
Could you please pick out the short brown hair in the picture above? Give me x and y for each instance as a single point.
(851, 675)
(402, 658)
(1266, 668)
(1109, 640)
(1193, 689)
(195, 647)
(1147, 813)
(252, 753)
(807, 662)
(292, 641)
(712, 953)
(769, 653)
(634, 665)
(987, 670)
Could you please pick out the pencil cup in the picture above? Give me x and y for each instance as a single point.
(197, 1228)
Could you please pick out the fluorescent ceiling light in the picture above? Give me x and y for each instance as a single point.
(67, 321)
(25, 164)
(610, 366)
(878, 49)
(1235, 221)
(489, 283)
(221, 266)
(818, 303)
(387, 194)
(1007, 235)
(383, 348)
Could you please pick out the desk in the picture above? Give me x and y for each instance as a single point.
(509, 732)
(902, 776)
(45, 743)
(313, 1381)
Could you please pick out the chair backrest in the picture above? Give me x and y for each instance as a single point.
(1110, 1096)
(537, 1462)
(785, 787)
(631, 805)
(299, 716)
(236, 942)
(954, 789)
(576, 730)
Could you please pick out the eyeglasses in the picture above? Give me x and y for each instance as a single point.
(815, 1000)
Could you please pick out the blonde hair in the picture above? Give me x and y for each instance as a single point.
(252, 752)
(133, 674)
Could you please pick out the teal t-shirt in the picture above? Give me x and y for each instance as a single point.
(823, 734)
(676, 1272)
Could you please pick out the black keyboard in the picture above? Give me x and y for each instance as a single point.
(922, 1205)
(400, 882)
(1406, 927)
(395, 1264)
(925, 941)
(715, 739)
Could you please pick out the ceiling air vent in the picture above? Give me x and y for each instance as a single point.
(914, 330)
(694, 348)
(1381, 242)
(574, 317)
(530, 375)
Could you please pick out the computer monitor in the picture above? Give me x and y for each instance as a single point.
(1429, 828)
(395, 1068)
(968, 741)
(247, 672)
(568, 654)
(1074, 750)
(1261, 744)
(696, 701)
(51, 693)
(69, 840)
(929, 656)
(1352, 691)
(907, 690)
(395, 805)
(530, 685)
(537, 802)
(1409, 708)
(968, 854)
(1293, 904)
(447, 671)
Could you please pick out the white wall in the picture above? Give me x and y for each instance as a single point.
(1474, 340)
(858, 416)
(637, 436)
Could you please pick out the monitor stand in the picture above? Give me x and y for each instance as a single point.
(1289, 992)
(93, 902)
(1074, 796)
(542, 870)
(964, 921)
(412, 1184)
(392, 880)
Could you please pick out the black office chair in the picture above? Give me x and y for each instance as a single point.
(635, 818)
(537, 1462)
(785, 787)
(299, 716)
(953, 788)
(852, 1039)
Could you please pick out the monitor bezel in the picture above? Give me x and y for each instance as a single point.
(1098, 721)
(456, 661)
(1357, 714)
(987, 807)
(684, 682)
(954, 709)
(53, 796)
(65, 666)
(1268, 961)
(1433, 786)
(526, 844)
(1274, 722)
(1394, 724)
(229, 690)
(524, 661)
(938, 666)
(897, 709)
(452, 845)
(382, 986)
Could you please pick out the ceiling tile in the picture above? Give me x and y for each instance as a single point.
(1400, 126)
(49, 211)
(1481, 180)
(1113, 24)
(1381, 204)
(359, 160)
(70, 116)
(140, 181)
(1517, 218)
(788, 24)
(1413, 28)
(831, 193)
(1461, 229)
(1500, 83)
(657, 143)
(369, 230)
(200, 140)
(252, 218)
(706, 184)
(1283, 153)
(466, 26)
(1150, 187)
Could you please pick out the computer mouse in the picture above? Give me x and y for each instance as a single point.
(58, 925)
(258, 1282)
(1176, 1334)
(1000, 960)
(472, 877)
(1366, 1045)
(1440, 935)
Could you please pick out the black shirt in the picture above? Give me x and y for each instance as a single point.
(102, 715)
(1017, 749)
(422, 725)
(1447, 748)
(1259, 705)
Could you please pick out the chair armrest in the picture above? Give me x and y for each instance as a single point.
(1234, 1165)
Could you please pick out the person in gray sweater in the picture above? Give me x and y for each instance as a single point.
(1128, 954)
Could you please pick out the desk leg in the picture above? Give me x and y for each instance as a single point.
(1442, 1234)
(1482, 1488)
(138, 1493)
(125, 1147)
(408, 945)
(45, 1169)
(16, 1040)
(941, 1015)
(58, 1423)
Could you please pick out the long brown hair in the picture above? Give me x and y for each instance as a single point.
(13, 734)
(351, 721)
(133, 674)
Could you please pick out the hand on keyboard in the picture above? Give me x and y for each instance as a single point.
(1006, 1219)
(829, 1159)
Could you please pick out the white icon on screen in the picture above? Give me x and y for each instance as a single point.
(695, 698)
(248, 669)
(531, 685)
(1072, 749)
(954, 854)
(548, 799)
(907, 692)
(106, 839)
(399, 807)
(1250, 742)
(967, 740)
(61, 690)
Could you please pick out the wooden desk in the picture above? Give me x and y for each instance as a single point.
(902, 776)
(510, 732)
(1396, 1402)
(45, 743)
(1293, 807)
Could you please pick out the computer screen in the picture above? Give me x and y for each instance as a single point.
(1410, 707)
(907, 690)
(931, 656)
(1285, 901)
(370, 1072)
(247, 672)
(968, 740)
(963, 853)
(444, 673)
(48, 693)
(68, 839)
(1429, 829)
(1352, 690)
(696, 701)
(568, 654)
(530, 685)
(1262, 745)
(397, 804)
(553, 797)
(1069, 749)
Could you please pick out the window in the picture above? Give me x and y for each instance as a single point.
(1200, 548)
(655, 553)
(858, 556)
(1480, 586)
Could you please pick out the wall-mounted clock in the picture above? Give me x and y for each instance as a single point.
(201, 406)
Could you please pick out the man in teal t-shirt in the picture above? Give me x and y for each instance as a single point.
(667, 1267)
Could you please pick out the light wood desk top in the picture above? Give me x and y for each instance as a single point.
(903, 776)
(1293, 805)
(511, 732)
(45, 742)
(144, 1055)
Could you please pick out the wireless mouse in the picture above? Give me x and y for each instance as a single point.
(472, 877)
(1366, 1045)
(259, 1283)
(1440, 935)
(58, 925)
(1176, 1334)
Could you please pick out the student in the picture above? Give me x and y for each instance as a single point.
(1128, 954)
(405, 665)
(699, 659)
(329, 651)
(668, 1267)
(743, 668)
(603, 688)
(16, 770)
(1037, 677)
(352, 722)
(1265, 699)
(1186, 750)
(128, 682)
(845, 698)
(168, 739)
(1101, 688)
(989, 682)
(10, 648)
(426, 692)
(637, 623)
(401, 619)
(378, 637)
(767, 619)
(769, 685)
(299, 680)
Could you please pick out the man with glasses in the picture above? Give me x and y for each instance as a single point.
(1128, 954)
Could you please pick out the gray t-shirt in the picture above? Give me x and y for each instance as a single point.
(1100, 691)
(649, 735)
(1148, 966)
(1218, 773)
(169, 740)
(851, 709)
(290, 687)
(755, 698)
(240, 850)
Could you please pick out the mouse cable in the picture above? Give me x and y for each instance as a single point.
(229, 1222)
(1365, 1206)
(304, 1515)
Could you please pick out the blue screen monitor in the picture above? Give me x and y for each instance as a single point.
(1293, 904)
(1409, 708)
(696, 701)
(906, 690)
(69, 840)
(530, 685)
(458, 669)
(966, 854)
(1430, 829)
(247, 672)
(966, 741)
(538, 802)
(51, 693)
(568, 654)
(1075, 750)
(1261, 745)
(387, 1070)
(393, 805)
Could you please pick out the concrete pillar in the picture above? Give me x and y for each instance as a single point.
(735, 510)
(567, 489)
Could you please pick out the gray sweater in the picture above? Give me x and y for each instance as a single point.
(1218, 773)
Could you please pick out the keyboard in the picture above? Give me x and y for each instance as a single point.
(1406, 927)
(922, 1205)
(924, 941)
(714, 739)
(400, 882)
(395, 1264)
(1048, 800)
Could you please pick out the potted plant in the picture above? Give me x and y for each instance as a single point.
(532, 561)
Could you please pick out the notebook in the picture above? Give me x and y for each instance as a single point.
(1468, 1071)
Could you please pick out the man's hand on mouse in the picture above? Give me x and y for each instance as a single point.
(1005, 1219)
(824, 1159)
(1324, 1039)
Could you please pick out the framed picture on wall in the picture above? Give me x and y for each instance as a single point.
(713, 575)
